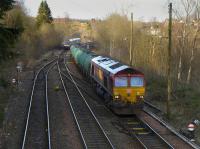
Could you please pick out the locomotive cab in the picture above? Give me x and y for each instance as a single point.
(122, 86)
(129, 87)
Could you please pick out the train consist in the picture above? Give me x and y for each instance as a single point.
(121, 86)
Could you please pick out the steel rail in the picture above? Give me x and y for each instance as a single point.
(78, 84)
(171, 129)
(30, 103)
(147, 103)
(166, 142)
(87, 105)
(143, 145)
(47, 106)
(72, 109)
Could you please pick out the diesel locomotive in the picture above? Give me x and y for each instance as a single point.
(121, 86)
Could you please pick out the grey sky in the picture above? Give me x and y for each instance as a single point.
(86, 9)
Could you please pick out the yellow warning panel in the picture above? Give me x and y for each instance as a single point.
(138, 128)
(143, 133)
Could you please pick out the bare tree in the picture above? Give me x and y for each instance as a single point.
(194, 41)
(187, 35)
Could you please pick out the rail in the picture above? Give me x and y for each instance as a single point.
(89, 110)
(75, 117)
(30, 103)
(47, 106)
(166, 142)
(87, 104)
(171, 129)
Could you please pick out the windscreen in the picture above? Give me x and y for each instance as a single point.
(137, 81)
(121, 82)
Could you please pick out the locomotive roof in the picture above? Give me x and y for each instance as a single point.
(109, 64)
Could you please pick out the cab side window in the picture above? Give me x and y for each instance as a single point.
(121, 82)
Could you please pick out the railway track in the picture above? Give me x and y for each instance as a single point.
(47, 107)
(166, 131)
(90, 129)
(37, 133)
(153, 108)
(156, 114)
(146, 135)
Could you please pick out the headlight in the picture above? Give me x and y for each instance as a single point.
(116, 96)
(140, 97)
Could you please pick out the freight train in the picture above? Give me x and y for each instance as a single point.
(121, 86)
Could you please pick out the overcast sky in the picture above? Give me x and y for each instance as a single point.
(87, 9)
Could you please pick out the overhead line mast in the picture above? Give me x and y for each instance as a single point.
(169, 82)
(131, 42)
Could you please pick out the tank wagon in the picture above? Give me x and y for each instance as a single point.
(121, 86)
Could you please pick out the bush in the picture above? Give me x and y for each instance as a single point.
(50, 37)
(33, 41)
(33, 44)
(3, 82)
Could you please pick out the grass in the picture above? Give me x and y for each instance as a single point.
(184, 105)
(3, 83)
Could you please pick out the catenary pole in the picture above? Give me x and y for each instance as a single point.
(169, 82)
(131, 41)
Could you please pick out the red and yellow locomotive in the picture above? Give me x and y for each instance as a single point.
(123, 87)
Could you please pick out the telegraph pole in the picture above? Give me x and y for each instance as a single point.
(169, 82)
(131, 41)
